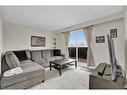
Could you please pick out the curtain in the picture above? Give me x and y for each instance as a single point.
(88, 34)
(66, 37)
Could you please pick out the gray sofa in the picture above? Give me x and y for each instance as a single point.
(32, 65)
(43, 57)
(31, 74)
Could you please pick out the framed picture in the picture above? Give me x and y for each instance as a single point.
(113, 33)
(37, 41)
(100, 39)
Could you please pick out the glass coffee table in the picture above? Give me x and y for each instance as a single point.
(60, 63)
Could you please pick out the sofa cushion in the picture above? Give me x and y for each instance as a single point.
(51, 51)
(37, 57)
(36, 54)
(53, 58)
(12, 60)
(50, 59)
(31, 66)
(30, 70)
(45, 65)
(21, 55)
(40, 61)
(28, 54)
(46, 53)
(58, 57)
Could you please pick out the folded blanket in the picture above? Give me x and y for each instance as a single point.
(14, 71)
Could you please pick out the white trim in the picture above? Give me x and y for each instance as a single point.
(101, 20)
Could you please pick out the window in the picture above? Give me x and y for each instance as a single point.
(81, 39)
(77, 39)
(72, 39)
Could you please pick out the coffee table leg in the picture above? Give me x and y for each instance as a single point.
(75, 64)
(60, 70)
(50, 66)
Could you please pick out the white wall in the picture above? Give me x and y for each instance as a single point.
(100, 50)
(60, 42)
(17, 37)
(125, 38)
(1, 35)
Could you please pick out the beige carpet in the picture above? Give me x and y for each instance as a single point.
(71, 78)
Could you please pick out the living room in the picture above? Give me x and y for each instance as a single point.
(43, 30)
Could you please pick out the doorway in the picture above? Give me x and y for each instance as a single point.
(78, 47)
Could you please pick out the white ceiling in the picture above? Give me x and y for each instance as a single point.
(53, 18)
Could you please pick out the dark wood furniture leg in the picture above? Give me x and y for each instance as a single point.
(75, 64)
(60, 70)
(50, 66)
